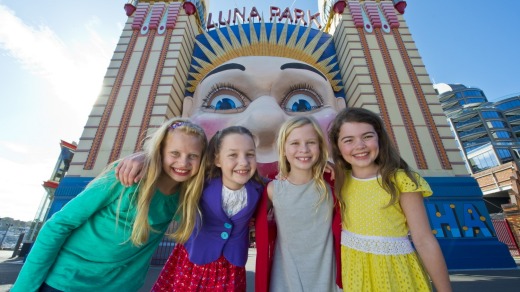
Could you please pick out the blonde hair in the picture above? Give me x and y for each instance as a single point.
(284, 166)
(190, 191)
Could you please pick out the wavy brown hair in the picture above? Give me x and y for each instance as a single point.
(388, 160)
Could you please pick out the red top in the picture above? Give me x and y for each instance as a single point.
(266, 238)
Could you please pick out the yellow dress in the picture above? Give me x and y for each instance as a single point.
(376, 254)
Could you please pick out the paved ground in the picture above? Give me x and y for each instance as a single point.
(9, 269)
(500, 280)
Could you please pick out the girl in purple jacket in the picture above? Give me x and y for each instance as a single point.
(214, 256)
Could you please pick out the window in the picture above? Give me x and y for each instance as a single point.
(483, 161)
(473, 93)
(502, 135)
(505, 155)
(471, 100)
(509, 105)
(496, 124)
(491, 114)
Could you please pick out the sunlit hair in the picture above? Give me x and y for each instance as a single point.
(389, 161)
(317, 169)
(190, 191)
(215, 146)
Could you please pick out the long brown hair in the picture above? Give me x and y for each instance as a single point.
(389, 161)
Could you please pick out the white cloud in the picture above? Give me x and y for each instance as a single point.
(20, 196)
(14, 147)
(74, 69)
(39, 50)
(24, 167)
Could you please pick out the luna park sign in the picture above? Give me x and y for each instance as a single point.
(294, 16)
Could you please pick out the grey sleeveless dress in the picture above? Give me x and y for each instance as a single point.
(304, 252)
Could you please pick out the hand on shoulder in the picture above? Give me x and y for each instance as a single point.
(129, 169)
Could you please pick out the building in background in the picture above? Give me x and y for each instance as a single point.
(510, 107)
(166, 49)
(488, 136)
(482, 129)
(50, 186)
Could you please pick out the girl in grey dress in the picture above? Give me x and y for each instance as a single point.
(302, 203)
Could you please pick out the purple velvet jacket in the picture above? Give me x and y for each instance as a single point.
(215, 234)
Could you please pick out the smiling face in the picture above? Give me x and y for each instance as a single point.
(181, 158)
(237, 160)
(260, 93)
(359, 146)
(302, 148)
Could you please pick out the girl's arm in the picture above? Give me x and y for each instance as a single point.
(270, 190)
(129, 169)
(58, 229)
(336, 229)
(264, 243)
(424, 241)
(329, 169)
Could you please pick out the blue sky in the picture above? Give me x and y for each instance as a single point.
(54, 55)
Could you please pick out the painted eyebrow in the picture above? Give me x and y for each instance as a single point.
(302, 66)
(229, 66)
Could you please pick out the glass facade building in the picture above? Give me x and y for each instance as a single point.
(488, 133)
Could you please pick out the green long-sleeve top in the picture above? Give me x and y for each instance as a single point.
(82, 248)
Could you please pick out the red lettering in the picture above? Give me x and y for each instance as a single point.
(209, 23)
(286, 14)
(313, 18)
(224, 22)
(241, 15)
(275, 11)
(254, 13)
(299, 15)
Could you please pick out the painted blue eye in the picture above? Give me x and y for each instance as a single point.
(225, 104)
(302, 102)
(224, 99)
(301, 106)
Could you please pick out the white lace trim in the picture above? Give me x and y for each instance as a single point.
(233, 201)
(376, 244)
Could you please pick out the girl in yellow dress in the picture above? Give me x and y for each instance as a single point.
(382, 201)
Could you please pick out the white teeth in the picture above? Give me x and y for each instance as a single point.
(360, 155)
(180, 170)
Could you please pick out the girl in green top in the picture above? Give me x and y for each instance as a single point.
(104, 238)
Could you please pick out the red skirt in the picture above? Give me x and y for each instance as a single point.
(179, 274)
